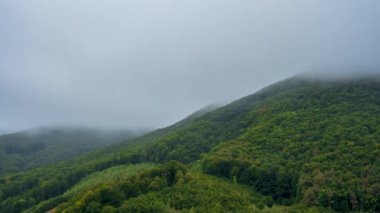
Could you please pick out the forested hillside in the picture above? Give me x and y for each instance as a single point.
(46, 145)
(298, 145)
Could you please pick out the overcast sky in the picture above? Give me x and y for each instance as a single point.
(149, 63)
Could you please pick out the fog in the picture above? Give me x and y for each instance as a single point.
(149, 63)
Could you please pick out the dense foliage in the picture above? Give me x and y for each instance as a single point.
(323, 149)
(169, 187)
(297, 143)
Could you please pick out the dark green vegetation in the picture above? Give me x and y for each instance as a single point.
(42, 146)
(167, 188)
(299, 145)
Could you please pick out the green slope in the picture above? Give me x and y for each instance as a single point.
(300, 142)
(113, 176)
(315, 144)
(167, 188)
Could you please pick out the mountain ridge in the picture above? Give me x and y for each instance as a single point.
(252, 142)
(40, 146)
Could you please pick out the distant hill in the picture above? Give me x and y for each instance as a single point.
(300, 145)
(41, 146)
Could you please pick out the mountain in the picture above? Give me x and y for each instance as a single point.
(46, 145)
(302, 144)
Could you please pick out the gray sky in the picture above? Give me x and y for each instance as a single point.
(122, 63)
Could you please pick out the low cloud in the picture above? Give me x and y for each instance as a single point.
(129, 64)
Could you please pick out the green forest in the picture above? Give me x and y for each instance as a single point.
(299, 145)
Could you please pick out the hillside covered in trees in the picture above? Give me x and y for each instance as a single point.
(298, 145)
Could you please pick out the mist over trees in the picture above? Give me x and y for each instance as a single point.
(47, 145)
(176, 106)
(298, 145)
